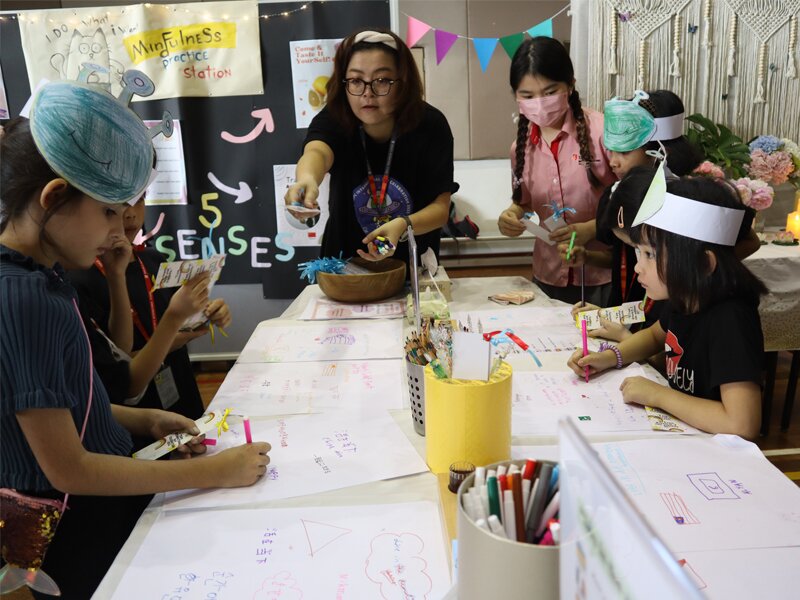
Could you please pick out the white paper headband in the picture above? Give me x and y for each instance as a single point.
(375, 37)
(668, 128)
(687, 217)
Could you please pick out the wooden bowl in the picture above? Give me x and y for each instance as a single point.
(386, 279)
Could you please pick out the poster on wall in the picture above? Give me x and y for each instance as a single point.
(312, 67)
(169, 186)
(197, 49)
(297, 232)
(3, 100)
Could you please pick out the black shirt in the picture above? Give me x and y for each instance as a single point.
(722, 344)
(95, 302)
(421, 170)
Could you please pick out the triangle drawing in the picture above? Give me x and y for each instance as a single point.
(320, 535)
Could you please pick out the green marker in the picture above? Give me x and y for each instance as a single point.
(586, 418)
(571, 244)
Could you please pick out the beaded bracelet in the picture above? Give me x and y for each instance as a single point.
(606, 346)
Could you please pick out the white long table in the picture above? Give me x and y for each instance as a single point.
(468, 294)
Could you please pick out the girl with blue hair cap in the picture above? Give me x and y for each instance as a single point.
(66, 177)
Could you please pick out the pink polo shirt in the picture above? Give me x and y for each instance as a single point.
(562, 179)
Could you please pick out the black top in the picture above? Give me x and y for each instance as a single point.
(93, 292)
(722, 344)
(421, 170)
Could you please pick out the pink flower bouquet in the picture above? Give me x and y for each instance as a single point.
(754, 193)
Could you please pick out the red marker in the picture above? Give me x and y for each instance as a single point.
(247, 435)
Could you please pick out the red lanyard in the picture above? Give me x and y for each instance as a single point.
(148, 284)
(378, 200)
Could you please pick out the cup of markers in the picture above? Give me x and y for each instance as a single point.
(508, 531)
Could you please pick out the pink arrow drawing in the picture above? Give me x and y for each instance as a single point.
(142, 237)
(242, 194)
(265, 123)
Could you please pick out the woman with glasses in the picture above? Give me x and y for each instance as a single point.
(389, 153)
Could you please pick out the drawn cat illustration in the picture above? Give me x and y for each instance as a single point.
(91, 48)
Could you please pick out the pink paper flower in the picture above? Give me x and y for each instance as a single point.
(772, 168)
(754, 193)
(709, 169)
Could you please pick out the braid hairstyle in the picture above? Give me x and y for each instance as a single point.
(583, 137)
(519, 158)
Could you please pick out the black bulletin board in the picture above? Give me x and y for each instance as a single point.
(249, 224)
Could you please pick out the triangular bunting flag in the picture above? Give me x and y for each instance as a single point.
(511, 42)
(544, 28)
(484, 48)
(416, 29)
(444, 41)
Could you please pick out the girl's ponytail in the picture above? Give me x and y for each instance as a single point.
(519, 159)
(583, 137)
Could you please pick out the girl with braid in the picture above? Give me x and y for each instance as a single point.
(560, 167)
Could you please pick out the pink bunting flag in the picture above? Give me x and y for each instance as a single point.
(416, 29)
(444, 41)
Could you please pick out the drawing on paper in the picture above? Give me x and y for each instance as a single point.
(92, 48)
(395, 563)
(678, 509)
(712, 486)
(339, 336)
(698, 581)
(283, 585)
(320, 535)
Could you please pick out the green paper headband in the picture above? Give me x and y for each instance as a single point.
(626, 125)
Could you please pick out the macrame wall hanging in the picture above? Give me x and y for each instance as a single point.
(733, 60)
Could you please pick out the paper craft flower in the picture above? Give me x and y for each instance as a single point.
(754, 193)
(709, 169)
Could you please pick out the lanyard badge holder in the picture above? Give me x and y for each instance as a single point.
(378, 200)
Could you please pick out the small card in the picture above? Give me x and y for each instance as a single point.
(661, 421)
(537, 230)
(629, 312)
(167, 444)
(551, 223)
(513, 297)
(472, 356)
(173, 274)
(302, 210)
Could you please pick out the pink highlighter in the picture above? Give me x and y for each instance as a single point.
(585, 349)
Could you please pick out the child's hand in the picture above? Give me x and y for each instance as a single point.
(509, 223)
(609, 330)
(218, 313)
(115, 260)
(596, 361)
(584, 233)
(579, 307)
(576, 258)
(640, 390)
(162, 423)
(191, 298)
(242, 465)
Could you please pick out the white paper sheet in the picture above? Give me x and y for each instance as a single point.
(292, 231)
(376, 551)
(311, 454)
(269, 389)
(758, 573)
(540, 398)
(517, 316)
(322, 309)
(169, 186)
(707, 493)
(328, 340)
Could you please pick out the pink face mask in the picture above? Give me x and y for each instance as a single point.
(544, 111)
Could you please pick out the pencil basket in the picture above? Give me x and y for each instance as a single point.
(415, 378)
(493, 567)
(467, 420)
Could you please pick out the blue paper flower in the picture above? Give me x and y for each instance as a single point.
(308, 270)
(767, 143)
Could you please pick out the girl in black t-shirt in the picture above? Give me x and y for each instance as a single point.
(710, 326)
(389, 154)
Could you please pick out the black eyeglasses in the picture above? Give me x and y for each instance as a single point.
(380, 86)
